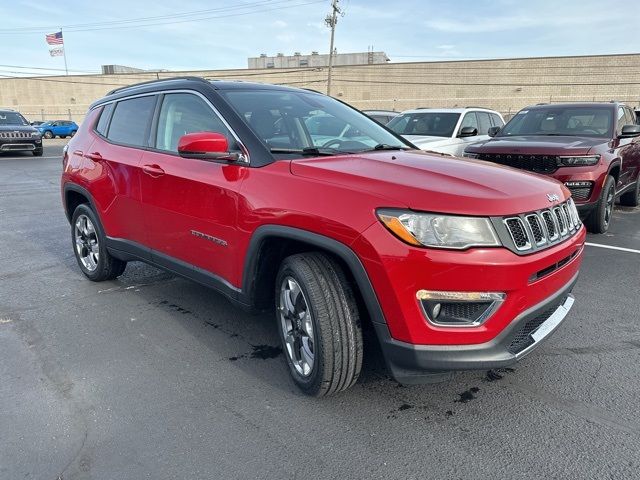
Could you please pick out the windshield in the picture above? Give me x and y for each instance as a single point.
(588, 121)
(303, 123)
(12, 118)
(432, 124)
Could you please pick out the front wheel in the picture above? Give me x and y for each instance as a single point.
(600, 219)
(37, 152)
(48, 134)
(318, 323)
(90, 247)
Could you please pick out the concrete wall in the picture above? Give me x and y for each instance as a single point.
(504, 85)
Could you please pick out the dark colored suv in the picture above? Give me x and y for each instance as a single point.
(239, 186)
(593, 148)
(16, 135)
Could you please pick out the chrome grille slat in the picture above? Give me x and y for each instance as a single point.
(541, 229)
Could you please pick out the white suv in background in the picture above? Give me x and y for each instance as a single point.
(445, 130)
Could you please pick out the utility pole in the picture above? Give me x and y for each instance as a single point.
(331, 21)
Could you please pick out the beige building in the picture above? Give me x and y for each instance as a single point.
(504, 85)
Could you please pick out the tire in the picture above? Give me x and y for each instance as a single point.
(89, 245)
(37, 152)
(62, 136)
(600, 219)
(632, 198)
(48, 134)
(335, 341)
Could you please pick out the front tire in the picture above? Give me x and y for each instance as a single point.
(600, 219)
(632, 198)
(318, 323)
(37, 152)
(89, 245)
(48, 135)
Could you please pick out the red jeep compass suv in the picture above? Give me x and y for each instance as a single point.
(593, 148)
(288, 199)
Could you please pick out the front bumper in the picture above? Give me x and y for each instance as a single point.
(20, 145)
(410, 363)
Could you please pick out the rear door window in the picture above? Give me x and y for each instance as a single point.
(484, 123)
(130, 121)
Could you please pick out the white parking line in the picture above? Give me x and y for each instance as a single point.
(622, 249)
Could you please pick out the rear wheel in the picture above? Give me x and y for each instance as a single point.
(600, 219)
(63, 136)
(318, 323)
(90, 248)
(632, 198)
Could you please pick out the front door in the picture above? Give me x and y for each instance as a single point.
(190, 205)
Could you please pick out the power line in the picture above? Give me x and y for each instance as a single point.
(171, 22)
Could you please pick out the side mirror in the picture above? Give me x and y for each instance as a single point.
(207, 146)
(468, 132)
(493, 131)
(629, 131)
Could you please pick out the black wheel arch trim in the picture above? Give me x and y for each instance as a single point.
(74, 187)
(342, 251)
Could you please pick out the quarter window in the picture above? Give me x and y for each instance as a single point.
(183, 113)
(130, 121)
(497, 121)
(101, 127)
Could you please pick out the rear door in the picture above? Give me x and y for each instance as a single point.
(123, 134)
(190, 205)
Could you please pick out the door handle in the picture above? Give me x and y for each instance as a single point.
(79, 153)
(153, 170)
(93, 156)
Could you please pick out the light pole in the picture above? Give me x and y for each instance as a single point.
(331, 21)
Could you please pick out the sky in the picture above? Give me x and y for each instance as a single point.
(227, 32)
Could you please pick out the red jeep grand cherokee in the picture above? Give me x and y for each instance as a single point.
(590, 147)
(286, 198)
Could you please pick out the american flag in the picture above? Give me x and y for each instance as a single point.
(54, 38)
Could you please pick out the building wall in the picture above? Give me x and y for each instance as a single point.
(317, 60)
(504, 85)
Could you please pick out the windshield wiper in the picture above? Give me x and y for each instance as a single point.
(310, 151)
(383, 146)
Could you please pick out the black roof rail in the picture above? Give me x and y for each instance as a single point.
(543, 103)
(475, 106)
(423, 108)
(159, 80)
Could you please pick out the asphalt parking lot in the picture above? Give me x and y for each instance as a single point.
(152, 376)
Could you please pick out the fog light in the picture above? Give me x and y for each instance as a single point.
(458, 309)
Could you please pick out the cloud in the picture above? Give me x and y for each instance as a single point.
(446, 47)
(279, 24)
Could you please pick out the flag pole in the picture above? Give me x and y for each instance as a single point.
(64, 53)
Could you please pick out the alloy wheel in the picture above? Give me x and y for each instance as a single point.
(296, 322)
(609, 206)
(86, 240)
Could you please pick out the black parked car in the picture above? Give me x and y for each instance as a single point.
(16, 135)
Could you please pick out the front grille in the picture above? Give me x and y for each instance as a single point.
(541, 229)
(518, 233)
(531, 163)
(580, 193)
(15, 134)
(522, 338)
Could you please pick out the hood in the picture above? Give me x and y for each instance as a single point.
(17, 128)
(433, 183)
(538, 145)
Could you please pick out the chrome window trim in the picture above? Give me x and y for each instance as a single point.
(245, 151)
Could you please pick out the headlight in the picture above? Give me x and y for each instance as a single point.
(470, 155)
(439, 231)
(579, 161)
(35, 134)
